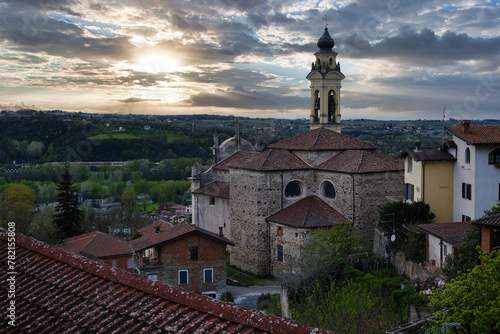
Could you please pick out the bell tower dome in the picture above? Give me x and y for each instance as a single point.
(325, 77)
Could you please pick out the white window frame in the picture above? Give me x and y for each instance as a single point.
(130, 263)
(211, 294)
(179, 276)
(114, 263)
(151, 276)
(204, 277)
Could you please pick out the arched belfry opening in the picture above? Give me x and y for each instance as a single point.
(325, 78)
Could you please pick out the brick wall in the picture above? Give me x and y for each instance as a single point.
(486, 239)
(121, 262)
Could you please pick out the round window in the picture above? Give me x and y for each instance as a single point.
(328, 189)
(293, 189)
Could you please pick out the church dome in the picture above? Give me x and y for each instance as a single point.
(326, 43)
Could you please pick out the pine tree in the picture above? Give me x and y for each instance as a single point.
(68, 217)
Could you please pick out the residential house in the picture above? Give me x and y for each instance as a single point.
(429, 178)
(185, 256)
(244, 187)
(443, 239)
(112, 250)
(490, 232)
(61, 292)
(476, 174)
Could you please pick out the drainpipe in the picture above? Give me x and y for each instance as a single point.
(353, 200)
(282, 191)
(423, 180)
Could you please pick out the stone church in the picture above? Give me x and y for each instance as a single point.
(267, 202)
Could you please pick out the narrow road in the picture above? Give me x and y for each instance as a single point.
(247, 296)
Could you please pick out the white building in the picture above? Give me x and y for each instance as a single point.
(476, 174)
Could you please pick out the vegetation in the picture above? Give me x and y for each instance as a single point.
(472, 298)
(17, 204)
(467, 255)
(68, 216)
(399, 219)
(495, 210)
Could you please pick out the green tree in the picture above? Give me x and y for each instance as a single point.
(495, 209)
(472, 298)
(467, 255)
(17, 205)
(42, 227)
(68, 217)
(128, 200)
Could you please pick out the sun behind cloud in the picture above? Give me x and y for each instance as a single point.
(156, 63)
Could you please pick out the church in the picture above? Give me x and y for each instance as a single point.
(267, 202)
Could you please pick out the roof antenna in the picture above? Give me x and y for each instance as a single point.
(442, 133)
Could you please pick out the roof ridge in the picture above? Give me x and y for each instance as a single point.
(308, 210)
(317, 138)
(268, 152)
(95, 235)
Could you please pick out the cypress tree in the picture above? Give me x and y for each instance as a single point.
(68, 217)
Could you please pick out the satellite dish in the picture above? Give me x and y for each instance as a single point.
(393, 237)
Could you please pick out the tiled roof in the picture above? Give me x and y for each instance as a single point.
(322, 139)
(173, 233)
(216, 188)
(236, 157)
(97, 244)
(427, 154)
(309, 212)
(151, 228)
(62, 292)
(488, 221)
(478, 134)
(271, 160)
(454, 233)
(358, 161)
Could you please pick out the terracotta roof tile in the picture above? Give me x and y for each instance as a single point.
(308, 212)
(235, 158)
(216, 188)
(488, 221)
(427, 154)
(151, 228)
(479, 134)
(322, 139)
(62, 292)
(97, 244)
(173, 233)
(454, 233)
(271, 160)
(358, 161)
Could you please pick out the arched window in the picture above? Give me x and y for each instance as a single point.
(293, 189)
(328, 189)
(494, 157)
(467, 155)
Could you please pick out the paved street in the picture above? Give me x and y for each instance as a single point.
(247, 296)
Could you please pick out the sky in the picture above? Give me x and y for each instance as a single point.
(403, 59)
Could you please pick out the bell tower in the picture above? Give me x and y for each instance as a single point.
(325, 77)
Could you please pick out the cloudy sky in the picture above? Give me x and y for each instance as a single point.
(403, 59)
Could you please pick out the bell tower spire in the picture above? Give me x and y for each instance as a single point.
(325, 77)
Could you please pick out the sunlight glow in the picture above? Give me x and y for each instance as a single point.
(156, 63)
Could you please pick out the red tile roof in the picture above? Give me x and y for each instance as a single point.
(216, 188)
(178, 231)
(488, 221)
(478, 134)
(454, 233)
(357, 161)
(271, 160)
(151, 229)
(309, 212)
(62, 292)
(236, 157)
(97, 244)
(322, 139)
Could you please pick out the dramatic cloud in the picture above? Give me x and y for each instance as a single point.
(401, 58)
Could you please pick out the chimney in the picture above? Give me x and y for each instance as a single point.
(466, 126)
(157, 229)
(221, 234)
(417, 147)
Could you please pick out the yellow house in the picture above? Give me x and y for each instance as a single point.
(429, 178)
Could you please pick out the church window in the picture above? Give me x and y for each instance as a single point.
(494, 157)
(280, 253)
(293, 189)
(279, 231)
(212, 200)
(328, 189)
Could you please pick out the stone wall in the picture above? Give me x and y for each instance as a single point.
(291, 239)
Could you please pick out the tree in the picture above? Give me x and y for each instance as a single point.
(495, 209)
(68, 217)
(17, 204)
(467, 256)
(472, 298)
(42, 228)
